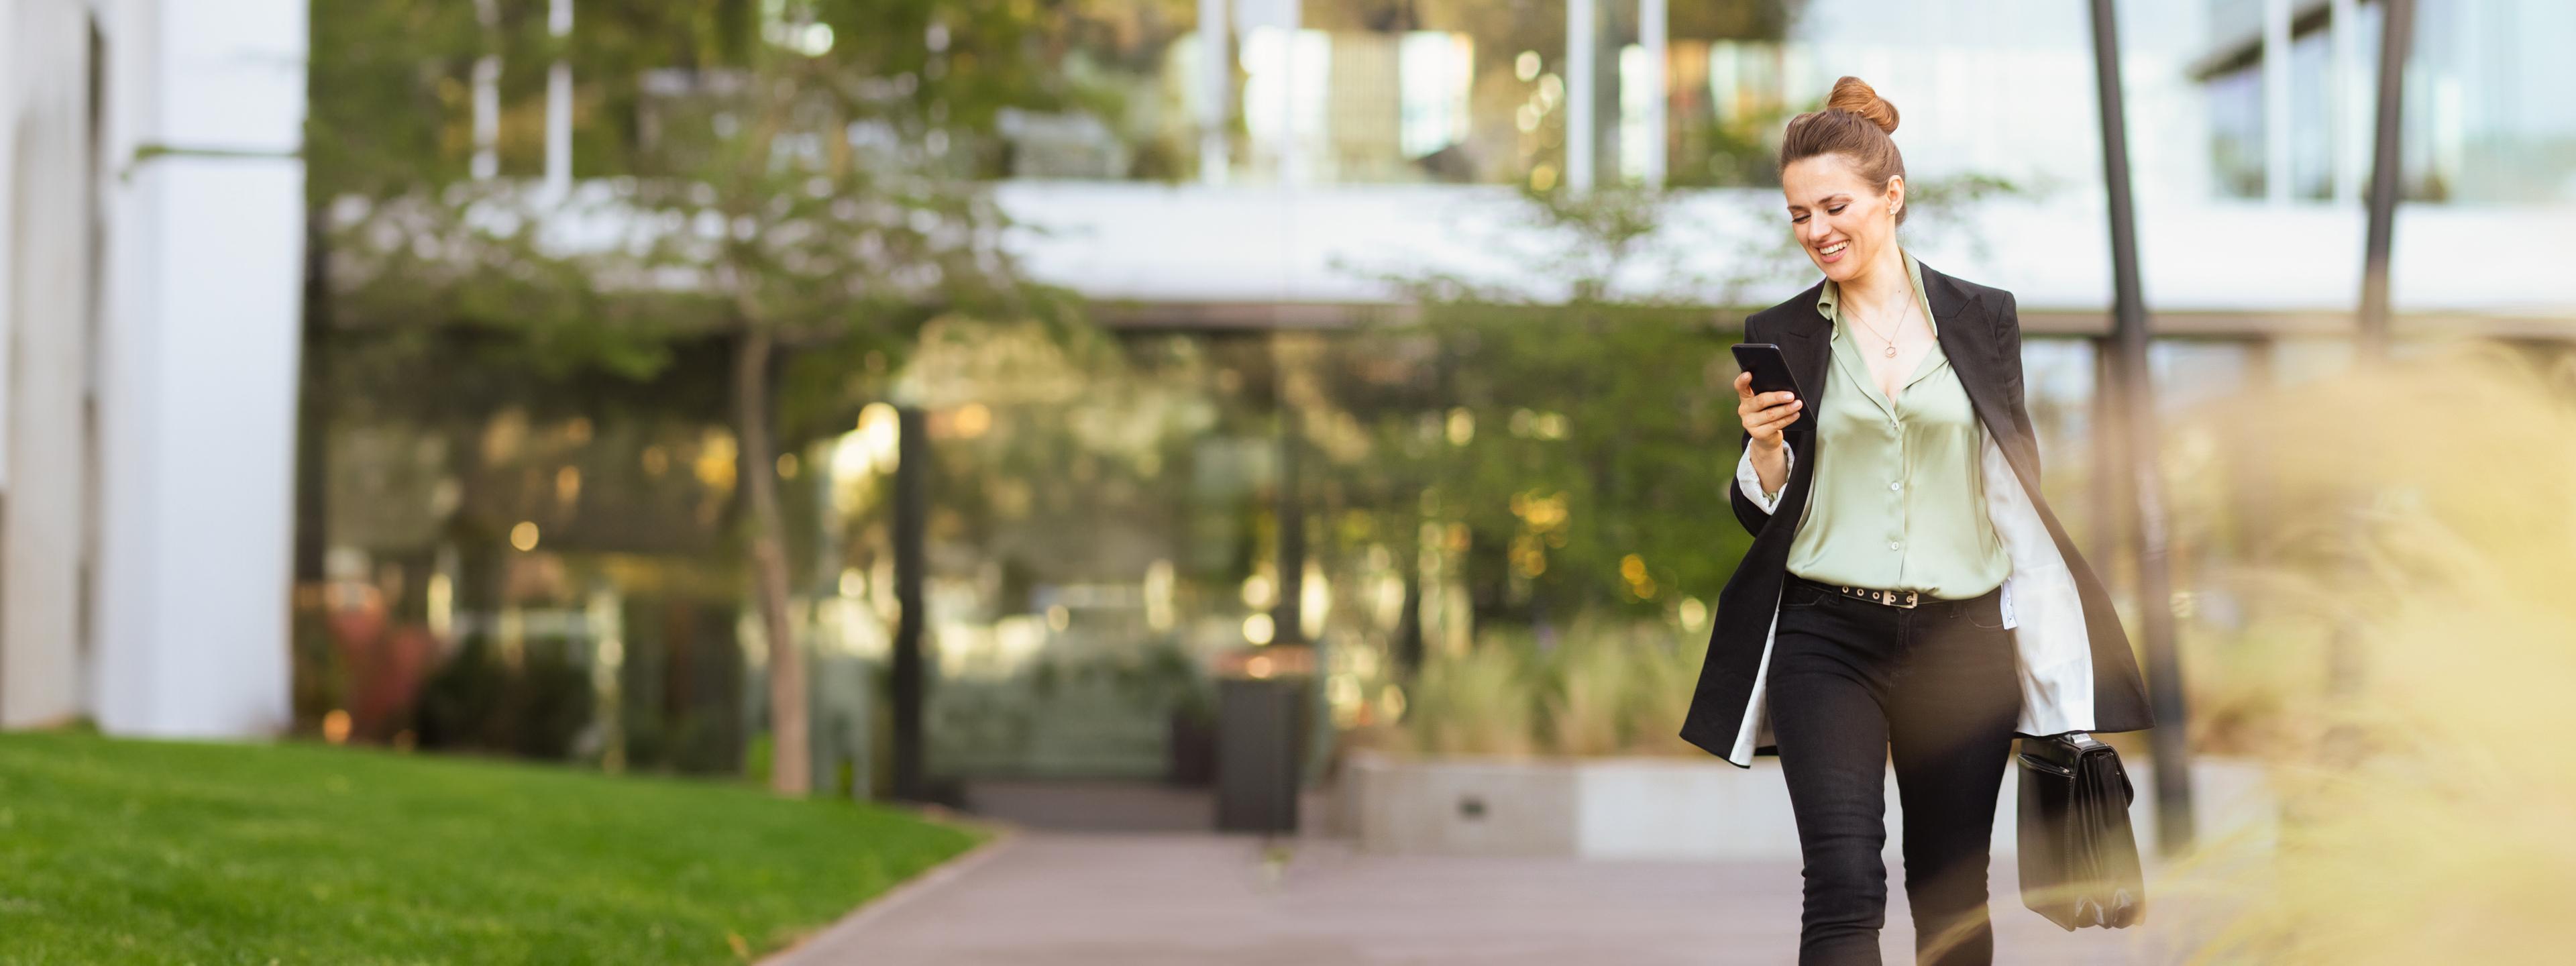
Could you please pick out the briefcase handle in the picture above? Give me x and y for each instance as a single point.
(2061, 754)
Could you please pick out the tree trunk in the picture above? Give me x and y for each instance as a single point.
(790, 765)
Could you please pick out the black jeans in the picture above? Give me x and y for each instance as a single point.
(1849, 681)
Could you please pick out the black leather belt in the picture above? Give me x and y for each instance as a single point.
(1893, 598)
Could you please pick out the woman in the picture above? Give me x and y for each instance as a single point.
(1910, 593)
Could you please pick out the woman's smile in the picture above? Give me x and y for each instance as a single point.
(1830, 254)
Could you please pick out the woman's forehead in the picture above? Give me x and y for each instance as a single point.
(1820, 178)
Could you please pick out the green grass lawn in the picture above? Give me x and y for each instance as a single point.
(117, 851)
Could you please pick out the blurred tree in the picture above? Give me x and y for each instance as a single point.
(1581, 434)
(783, 175)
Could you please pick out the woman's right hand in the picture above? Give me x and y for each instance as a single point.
(1767, 414)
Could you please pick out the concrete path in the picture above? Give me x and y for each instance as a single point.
(1172, 899)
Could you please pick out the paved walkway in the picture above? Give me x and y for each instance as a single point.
(1171, 899)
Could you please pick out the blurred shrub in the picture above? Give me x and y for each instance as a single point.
(531, 707)
(320, 684)
(1584, 710)
(1607, 688)
(1481, 702)
(2426, 511)
(2234, 687)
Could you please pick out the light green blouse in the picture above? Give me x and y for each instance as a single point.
(1898, 500)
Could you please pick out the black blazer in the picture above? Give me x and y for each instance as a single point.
(1980, 333)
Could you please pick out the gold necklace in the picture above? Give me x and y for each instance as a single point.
(1873, 330)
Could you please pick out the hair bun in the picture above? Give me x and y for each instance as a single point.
(1855, 95)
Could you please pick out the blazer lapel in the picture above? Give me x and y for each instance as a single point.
(1803, 343)
(1968, 340)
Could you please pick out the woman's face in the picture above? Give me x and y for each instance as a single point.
(1842, 220)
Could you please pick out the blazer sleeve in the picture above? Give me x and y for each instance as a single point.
(2008, 343)
(1747, 512)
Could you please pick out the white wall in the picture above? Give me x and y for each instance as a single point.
(199, 348)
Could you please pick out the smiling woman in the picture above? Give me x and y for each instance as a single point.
(1913, 597)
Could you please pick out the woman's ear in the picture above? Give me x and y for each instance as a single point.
(1895, 193)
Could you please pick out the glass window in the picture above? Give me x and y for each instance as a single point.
(1728, 101)
(2313, 131)
(2058, 381)
(2482, 123)
(1435, 71)
(1089, 545)
(1133, 66)
(2487, 119)
(2235, 18)
(2001, 89)
(2236, 132)
(1371, 91)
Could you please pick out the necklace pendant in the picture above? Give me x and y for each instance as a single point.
(1891, 352)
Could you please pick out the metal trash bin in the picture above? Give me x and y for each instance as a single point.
(1261, 723)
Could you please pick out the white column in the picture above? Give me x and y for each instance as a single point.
(1214, 80)
(1652, 34)
(559, 108)
(2276, 101)
(47, 188)
(1580, 16)
(198, 355)
(2347, 100)
(487, 96)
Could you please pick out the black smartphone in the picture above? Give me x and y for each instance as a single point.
(1770, 371)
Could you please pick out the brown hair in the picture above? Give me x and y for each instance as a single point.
(1855, 123)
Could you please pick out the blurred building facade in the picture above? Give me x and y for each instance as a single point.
(1270, 162)
(1266, 195)
(151, 278)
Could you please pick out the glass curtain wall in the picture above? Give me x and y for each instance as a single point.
(1397, 91)
(1729, 84)
(1134, 68)
(1481, 91)
(1405, 91)
(2486, 101)
(2478, 126)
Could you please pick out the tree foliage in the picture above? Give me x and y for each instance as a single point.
(772, 178)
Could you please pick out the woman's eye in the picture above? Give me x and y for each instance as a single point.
(1798, 220)
(1834, 210)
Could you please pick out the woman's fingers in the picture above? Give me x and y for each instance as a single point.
(1750, 404)
(1765, 419)
(1770, 410)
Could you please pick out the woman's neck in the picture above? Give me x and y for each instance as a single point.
(1882, 286)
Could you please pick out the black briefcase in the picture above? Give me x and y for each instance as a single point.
(2079, 860)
